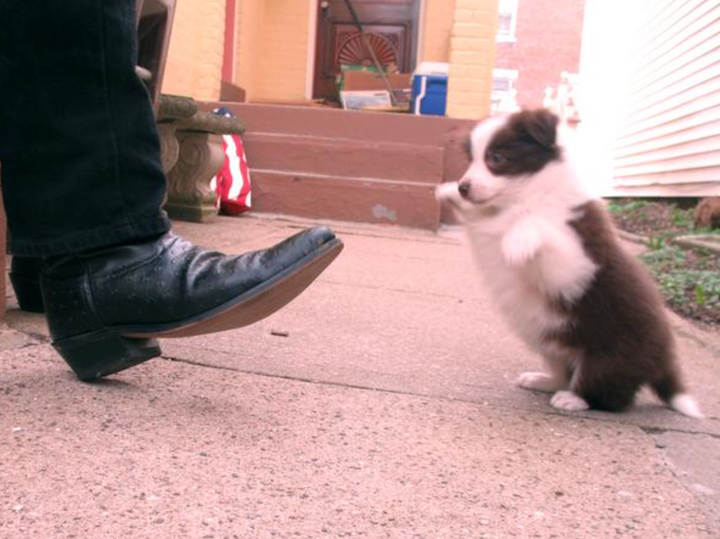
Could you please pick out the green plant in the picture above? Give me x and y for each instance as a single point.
(683, 286)
(700, 295)
(656, 243)
(682, 218)
(618, 206)
(688, 279)
(667, 256)
(705, 230)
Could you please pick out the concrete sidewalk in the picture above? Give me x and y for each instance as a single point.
(379, 404)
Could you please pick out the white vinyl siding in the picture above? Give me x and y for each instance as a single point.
(668, 141)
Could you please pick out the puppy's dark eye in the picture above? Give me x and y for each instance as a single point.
(495, 159)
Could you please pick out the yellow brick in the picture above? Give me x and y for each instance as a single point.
(473, 30)
(195, 57)
(469, 71)
(271, 53)
(471, 58)
(282, 41)
(471, 16)
(472, 51)
(470, 85)
(466, 96)
(472, 44)
(476, 5)
(439, 16)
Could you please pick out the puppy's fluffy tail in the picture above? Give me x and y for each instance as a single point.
(670, 390)
(686, 405)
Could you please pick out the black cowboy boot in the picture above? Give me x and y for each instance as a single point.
(106, 308)
(25, 279)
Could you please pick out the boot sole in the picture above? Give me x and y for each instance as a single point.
(254, 305)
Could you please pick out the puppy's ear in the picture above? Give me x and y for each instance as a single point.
(541, 126)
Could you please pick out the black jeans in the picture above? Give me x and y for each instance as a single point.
(79, 150)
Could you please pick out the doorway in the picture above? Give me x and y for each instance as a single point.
(392, 31)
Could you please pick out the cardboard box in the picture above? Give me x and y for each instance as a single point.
(371, 80)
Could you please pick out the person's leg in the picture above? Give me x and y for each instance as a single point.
(78, 145)
(83, 185)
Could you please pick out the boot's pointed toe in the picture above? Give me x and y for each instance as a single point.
(106, 309)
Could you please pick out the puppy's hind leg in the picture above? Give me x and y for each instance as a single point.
(603, 385)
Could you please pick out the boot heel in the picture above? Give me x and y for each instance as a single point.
(103, 352)
(27, 292)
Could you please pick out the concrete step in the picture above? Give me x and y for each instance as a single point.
(345, 165)
(364, 200)
(345, 157)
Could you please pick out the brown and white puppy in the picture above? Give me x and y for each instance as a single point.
(549, 253)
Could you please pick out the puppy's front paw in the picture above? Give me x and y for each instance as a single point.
(539, 381)
(447, 192)
(569, 401)
(520, 244)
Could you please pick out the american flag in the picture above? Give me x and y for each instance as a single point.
(233, 193)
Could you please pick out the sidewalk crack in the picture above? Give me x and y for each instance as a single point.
(653, 431)
(499, 405)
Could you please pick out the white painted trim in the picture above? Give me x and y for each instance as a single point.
(421, 95)
(709, 189)
(420, 56)
(311, 48)
(511, 36)
(511, 74)
(236, 41)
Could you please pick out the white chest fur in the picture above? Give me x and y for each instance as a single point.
(529, 260)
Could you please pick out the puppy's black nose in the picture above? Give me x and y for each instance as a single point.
(464, 188)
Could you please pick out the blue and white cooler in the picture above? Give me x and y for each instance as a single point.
(429, 89)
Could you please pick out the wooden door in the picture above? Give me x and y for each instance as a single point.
(391, 26)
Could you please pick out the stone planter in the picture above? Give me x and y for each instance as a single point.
(192, 153)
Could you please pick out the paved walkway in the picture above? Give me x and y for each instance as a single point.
(378, 404)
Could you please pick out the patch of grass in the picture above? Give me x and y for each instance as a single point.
(706, 230)
(692, 290)
(619, 206)
(656, 243)
(689, 279)
(656, 218)
(682, 218)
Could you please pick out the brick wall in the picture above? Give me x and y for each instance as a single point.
(439, 16)
(281, 66)
(273, 44)
(249, 29)
(472, 47)
(194, 62)
(549, 36)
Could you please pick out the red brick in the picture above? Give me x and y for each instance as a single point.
(549, 35)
